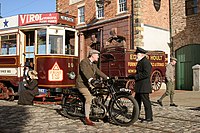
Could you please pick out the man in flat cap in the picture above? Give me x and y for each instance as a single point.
(143, 83)
(170, 82)
(88, 71)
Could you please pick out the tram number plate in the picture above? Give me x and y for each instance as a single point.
(42, 91)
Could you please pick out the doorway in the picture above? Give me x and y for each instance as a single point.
(30, 47)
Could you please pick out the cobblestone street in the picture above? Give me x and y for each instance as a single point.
(45, 119)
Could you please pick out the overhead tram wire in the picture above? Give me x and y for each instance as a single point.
(19, 8)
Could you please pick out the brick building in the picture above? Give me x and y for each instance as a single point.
(185, 39)
(133, 23)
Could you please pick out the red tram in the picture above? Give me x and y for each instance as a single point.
(49, 42)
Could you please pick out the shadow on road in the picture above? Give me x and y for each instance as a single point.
(13, 118)
(195, 108)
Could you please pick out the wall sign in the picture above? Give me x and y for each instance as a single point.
(157, 4)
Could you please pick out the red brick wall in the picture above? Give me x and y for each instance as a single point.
(90, 9)
(185, 29)
(156, 18)
(143, 10)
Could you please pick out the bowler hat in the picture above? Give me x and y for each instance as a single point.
(27, 64)
(173, 58)
(33, 74)
(93, 51)
(140, 50)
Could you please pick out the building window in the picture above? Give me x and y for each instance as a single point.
(122, 5)
(191, 7)
(81, 14)
(100, 11)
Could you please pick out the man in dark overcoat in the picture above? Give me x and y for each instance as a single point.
(142, 83)
(88, 71)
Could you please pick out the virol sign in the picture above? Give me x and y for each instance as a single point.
(26, 19)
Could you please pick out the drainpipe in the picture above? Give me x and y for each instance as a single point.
(132, 25)
(170, 26)
(101, 44)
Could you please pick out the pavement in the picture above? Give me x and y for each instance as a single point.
(46, 119)
(181, 97)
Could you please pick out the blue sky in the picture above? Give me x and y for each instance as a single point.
(14, 7)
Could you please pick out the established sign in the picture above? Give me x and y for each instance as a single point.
(55, 73)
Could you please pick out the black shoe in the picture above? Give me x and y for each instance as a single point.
(141, 119)
(159, 102)
(147, 120)
(172, 104)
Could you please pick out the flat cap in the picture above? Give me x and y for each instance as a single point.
(140, 50)
(93, 51)
(173, 58)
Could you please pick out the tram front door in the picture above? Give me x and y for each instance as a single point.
(29, 47)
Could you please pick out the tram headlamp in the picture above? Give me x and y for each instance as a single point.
(71, 75)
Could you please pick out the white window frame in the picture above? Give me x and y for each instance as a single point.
(124, 8)
(98, 11)
(74, 1)
(81, 15)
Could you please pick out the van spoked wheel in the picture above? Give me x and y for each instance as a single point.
(130, 84)
(156, 80)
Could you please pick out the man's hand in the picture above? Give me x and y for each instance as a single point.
(110, 81)
(94, 82)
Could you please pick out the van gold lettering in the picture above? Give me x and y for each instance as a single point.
(132, 57)
(131, 64)
(155, 57)
(131, 71)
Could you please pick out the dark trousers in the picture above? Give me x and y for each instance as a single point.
(144, 97)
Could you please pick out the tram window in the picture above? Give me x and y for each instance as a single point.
(69, 42)
(8, 45)
(55, 44)
(30, 44)
(41, 41)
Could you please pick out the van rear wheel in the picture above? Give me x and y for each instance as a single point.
(156, 80)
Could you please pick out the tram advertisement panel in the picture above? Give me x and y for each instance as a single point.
(56, 71)
(47, 18)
